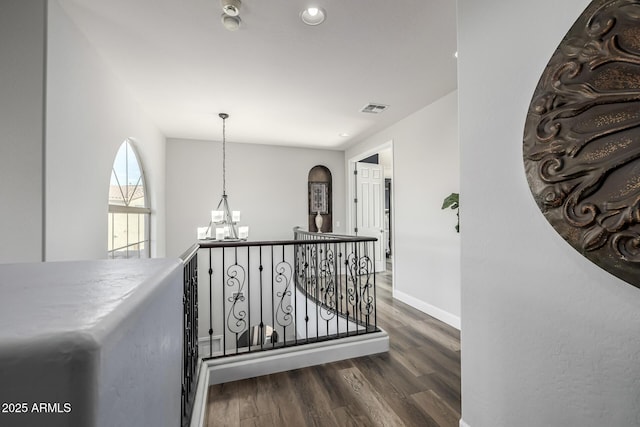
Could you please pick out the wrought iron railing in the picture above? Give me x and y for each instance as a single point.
(342, 282)
(190, 356)
(257, 296)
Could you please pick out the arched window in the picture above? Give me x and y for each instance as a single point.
(129, 211)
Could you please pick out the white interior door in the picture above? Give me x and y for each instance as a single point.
(369, 198)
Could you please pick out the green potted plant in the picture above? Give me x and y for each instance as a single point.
(453, 201)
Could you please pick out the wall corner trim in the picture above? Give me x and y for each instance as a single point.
(438, 313)
(463, 424)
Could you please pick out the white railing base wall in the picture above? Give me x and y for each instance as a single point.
(249, 365)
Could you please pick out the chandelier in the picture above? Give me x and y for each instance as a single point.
(224, 221)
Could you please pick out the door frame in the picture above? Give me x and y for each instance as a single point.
(350, 223)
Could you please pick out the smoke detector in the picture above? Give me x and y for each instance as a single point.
(231, 7)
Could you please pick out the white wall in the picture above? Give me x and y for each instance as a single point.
(425, 170)
(548, 338)
(22, 71)
(89, 114)
(103, 337)
(268, 184)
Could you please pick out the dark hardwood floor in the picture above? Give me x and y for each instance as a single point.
(417, 383)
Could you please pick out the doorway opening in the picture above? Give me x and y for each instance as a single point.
(370, 209)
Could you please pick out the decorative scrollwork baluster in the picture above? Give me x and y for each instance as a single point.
(328, 290)
(284, 310)
(236, 316)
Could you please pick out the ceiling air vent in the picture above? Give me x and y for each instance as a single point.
(374, 108)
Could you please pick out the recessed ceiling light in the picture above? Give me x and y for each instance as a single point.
(231, 23)
(313, 16)
(455, 55)
(344, 135)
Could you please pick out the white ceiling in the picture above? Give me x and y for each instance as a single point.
(280, 81)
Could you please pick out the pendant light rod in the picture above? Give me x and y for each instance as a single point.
(224, 117)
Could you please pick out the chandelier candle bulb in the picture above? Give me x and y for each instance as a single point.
(235, 216)
(202, 232)
(219, 233)
(217, 216)
(243, 232)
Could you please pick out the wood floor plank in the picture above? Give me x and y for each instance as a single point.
(427, 330)
(347, 416)
(224, 412)
(314, 400)
(437, 408)
(396, 385)
(387, 374)
(328, 377)
(260, 421)
(377, 408)
(441, 361)
(287, 410)
(413, 363)
(450, 392)
(255, 398)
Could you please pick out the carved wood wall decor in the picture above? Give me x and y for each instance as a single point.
(582, 138)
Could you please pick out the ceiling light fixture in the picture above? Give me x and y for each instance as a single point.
(223, 215)
(231, 7)
(231, 23)
(313, 16)
(230, 17)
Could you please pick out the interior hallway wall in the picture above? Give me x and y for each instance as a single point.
(548, 338)
(426, 169)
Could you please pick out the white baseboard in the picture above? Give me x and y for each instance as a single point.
(463, 424)
(200, 398)
(268, 362)
(262, 363)
(431, 310)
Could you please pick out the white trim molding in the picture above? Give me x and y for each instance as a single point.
(286, 359)
(200, 397)
(438, 313)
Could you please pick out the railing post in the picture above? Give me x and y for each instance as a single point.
(224, 305)
(210, 305)
(249, 327)
(273, 306)
(262, 328)
(375, 300)
(318, 283)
